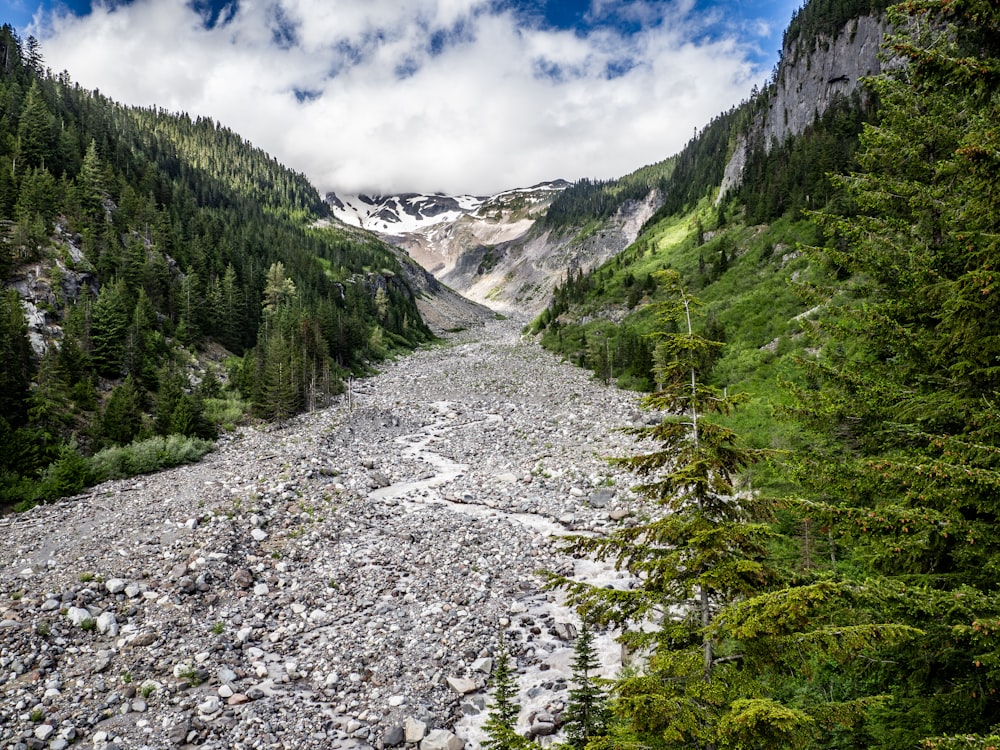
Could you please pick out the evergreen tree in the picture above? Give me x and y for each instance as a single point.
(501, 723)
(90, 190)
(15, 359)
(36, 130)
(719, 659)
(905, 465)
(109, 330)
(586, 714)
(121, 420)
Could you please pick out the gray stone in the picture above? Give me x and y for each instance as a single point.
(115, 586)
(178, 733)
(107, 623)
(393, 736)
(483, 665)
(600, 498)
(226, 675)
(144, 639)
(441, 739)
(210, 706)
(542, 729)
(414, 730)
(565, 630)
(462, 685)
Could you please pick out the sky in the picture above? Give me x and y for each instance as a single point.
(456, 96)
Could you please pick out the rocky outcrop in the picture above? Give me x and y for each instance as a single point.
(48, 285)
(519, 275)
(808, 81)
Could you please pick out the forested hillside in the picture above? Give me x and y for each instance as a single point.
(822, 345)
(160, 257)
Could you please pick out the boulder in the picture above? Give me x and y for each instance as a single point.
(441, 739)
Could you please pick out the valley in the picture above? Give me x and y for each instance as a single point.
(337, 580)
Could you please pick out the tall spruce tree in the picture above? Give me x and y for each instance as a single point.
(586, 714)
(725, 640)
(906, 466)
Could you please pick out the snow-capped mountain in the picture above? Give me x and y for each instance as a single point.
(490, 249)
(397, 215)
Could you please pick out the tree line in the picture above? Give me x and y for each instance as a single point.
(160, 236)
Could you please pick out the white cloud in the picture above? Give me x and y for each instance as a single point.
(451, 95)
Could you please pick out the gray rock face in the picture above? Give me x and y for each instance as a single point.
(808, 82)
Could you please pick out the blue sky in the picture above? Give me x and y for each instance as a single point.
(452, 95)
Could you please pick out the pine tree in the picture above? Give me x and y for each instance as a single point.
(586, 714)
(501, 723)
(719, 660)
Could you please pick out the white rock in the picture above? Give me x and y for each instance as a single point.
(115, 585)
(441, 739)
(210, 705)
(483, 665)
(258, 534)
(107, 623)
(78, 615)
(414, 730)
(44, 731)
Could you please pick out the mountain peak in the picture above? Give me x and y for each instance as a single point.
(404, 213)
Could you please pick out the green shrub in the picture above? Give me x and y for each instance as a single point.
(226, 412)
(147, 456)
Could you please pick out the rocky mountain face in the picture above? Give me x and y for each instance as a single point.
(809, 80)
(521, 273)
(448, 234)
(491, 249)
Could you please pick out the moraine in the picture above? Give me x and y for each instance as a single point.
(338, 581)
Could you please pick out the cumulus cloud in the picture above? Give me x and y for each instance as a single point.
(424, 95)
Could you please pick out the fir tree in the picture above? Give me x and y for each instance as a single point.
(501, 723)
(16, 364)
(719, 659)
(109, 330)
(586, 713)
(904, 468)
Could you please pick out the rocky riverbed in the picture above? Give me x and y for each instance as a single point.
(339, 581)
